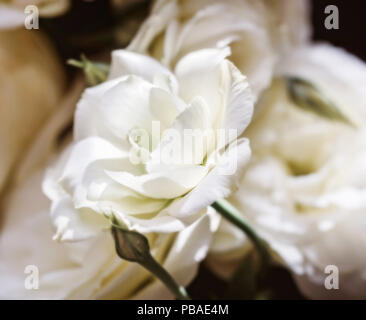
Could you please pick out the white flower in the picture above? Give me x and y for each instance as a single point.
(12, 13)
(31, 84)
(96, 177)
(87, 269)
(305, 190)
(257, 32)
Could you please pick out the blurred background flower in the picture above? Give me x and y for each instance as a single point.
(32, 82)
(258, 32)
(305, 189)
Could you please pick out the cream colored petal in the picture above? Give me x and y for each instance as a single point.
(218, 184)
(239, 102)
(112, 109)
(162, 12)
(167, 184)
(185, 143)
(126, 62)
(76, 224)
(26, 239)
(81, 155)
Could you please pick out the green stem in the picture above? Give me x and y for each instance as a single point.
(155, 268)
(230, 213)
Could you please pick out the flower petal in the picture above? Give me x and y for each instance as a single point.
(126, 62)
(167, 184)
(218, 184)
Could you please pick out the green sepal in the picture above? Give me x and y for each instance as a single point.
(95, 72)
(308, 97)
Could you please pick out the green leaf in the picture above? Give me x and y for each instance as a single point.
(308, 97)
(95, 72)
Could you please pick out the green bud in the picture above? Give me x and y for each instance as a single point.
(131, 245)
(308, 97)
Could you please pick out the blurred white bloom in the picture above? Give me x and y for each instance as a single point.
(258, 32)
(88, 269)
(12, 11)
(31, 84)
(305, 189)
(96, 177)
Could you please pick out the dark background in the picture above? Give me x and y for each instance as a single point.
(95, 34)
(98, 21)
(352, 25)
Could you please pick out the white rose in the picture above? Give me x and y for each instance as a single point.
(87, 269)
(96, 177)
(305, 189)
(31, 84)
(12, 13)
(257, 32)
